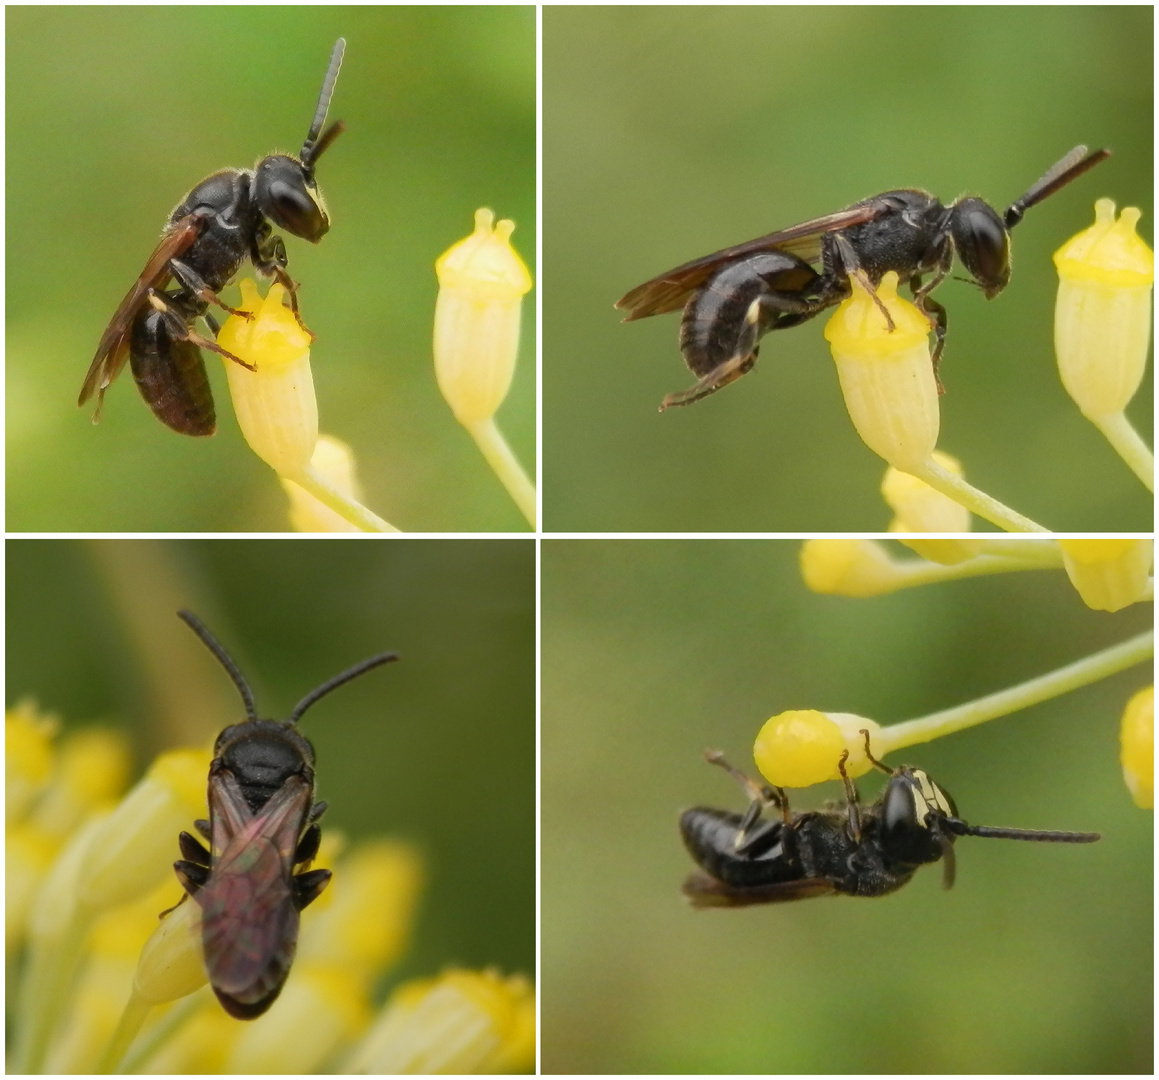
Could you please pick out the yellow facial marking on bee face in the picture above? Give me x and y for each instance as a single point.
(932, 795)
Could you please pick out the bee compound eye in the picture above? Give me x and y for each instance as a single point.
(983, 244)
(905, 834)
(285, 196)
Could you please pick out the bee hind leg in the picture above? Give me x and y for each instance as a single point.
(308, 887)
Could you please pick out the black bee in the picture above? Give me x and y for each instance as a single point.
(216, 227)
(858, 850)
(732, 298)
(263, 832)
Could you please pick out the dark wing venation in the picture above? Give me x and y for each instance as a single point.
(671, 290)
(249, 920)
(705, 891)
(114, 347)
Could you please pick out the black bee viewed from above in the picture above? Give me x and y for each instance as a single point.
(732, 298)
(263, 832)
(857, 850)
(215, 228)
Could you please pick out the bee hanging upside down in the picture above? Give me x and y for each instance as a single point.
(858, 850)
(216, 227)
(263, 831)
(732, 298)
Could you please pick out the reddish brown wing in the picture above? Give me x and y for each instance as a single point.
(705, 891)
(670, 291)
(249, 923)
(114, 347)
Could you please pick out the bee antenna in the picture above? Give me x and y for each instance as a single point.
(337, 681)
(215, 647)
(313, 146)
(960, 828)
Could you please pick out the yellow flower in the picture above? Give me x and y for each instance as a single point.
(460, 1022)
(481, 285)
(887, 376)
(333, 460)
(1102, 319)
(275, 404)
(848, 567)
(919, 508)
(1137, 747)
(802, 747)
(1108, 574)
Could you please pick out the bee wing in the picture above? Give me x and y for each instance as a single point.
(705, 891)
(114, 347)
(249, 920)
(671, 290)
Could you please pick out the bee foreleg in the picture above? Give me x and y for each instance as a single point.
(195, 283)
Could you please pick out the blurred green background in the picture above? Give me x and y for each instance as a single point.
(672, 132)
(114, 113)
(1038, 961)
(438, 748)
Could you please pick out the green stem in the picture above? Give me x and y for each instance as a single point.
(1083, 672)
(44, 991)
(1118, 431)
(505, 465)
(345, 507)
(977, 502)
(133, 1017)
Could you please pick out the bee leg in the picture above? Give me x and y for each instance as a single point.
(772, 309)
(744, 356)
(308, 887)
(760, 796)
(308, 846)
(195, 283)
(184, 896)
(848, 263)
(316, 811)
(268, 255)
(936, 313)
(192, 849)
(291, 288)
(191, 875)
(181, 331)
(850, 798)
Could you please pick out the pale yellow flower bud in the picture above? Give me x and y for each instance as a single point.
(135, 848)
(1102, 317)
(171, 964)
(28, 756)
(887, 377)
(848, 567)
(481, 285)
(275, 405)
(460, 1022)
(1137, 747)
(333, 460)
(919, 508)
(1108, 574)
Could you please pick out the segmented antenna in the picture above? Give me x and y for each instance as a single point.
(1050, 837)
(313, 146)
(214, 646)
(339, 680)
(1077, 162)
